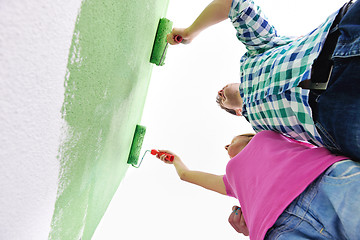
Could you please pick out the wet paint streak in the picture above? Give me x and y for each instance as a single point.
(106, 84)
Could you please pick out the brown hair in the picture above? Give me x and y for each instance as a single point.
(218, 100)
(249, 135)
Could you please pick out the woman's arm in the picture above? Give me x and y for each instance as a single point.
(203, 179)
(214, 13)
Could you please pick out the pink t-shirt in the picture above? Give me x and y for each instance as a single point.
(269, 173)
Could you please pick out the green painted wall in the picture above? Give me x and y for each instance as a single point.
(105, 89)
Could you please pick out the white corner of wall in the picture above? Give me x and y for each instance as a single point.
(35, 41)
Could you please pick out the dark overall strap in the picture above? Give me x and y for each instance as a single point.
(322, 66)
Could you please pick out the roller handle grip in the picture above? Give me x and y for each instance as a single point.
(168, 157)
(178, 38)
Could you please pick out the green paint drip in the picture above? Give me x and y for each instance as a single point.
(106, 85)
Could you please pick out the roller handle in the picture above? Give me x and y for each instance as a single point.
(178, 38)
(168, 157)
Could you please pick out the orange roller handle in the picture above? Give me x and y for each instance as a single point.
(178, 38)
(168, 157)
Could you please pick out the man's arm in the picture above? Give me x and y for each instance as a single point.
(206, 180)
(214, 13)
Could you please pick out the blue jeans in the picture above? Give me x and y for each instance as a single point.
(338, 115)
(328, 209)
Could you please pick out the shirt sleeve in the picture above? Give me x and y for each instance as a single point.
(228, 188)
(253, 28)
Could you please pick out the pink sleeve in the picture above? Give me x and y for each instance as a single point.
(229, 191)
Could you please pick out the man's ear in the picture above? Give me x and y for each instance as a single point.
(238, 111)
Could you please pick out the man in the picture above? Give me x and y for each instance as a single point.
(273, 90)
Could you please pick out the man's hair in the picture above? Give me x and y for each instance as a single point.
(218, 100)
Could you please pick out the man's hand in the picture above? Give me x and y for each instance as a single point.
(183, 32)
(237, 221)
(214, 13)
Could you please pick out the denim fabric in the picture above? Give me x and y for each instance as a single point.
(328, 209)
(338, 120)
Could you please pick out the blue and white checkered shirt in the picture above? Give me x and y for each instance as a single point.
(272, 69)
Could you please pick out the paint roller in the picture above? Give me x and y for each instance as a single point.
(160, 43)
(135, 148)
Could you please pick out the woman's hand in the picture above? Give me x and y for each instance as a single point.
(162, 156)
(203, 179)
(237, 221)
(180, 167)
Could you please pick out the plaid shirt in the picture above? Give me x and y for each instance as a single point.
(272, 69)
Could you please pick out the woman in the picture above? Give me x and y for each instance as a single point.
(287, 189)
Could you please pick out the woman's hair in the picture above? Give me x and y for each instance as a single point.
(249, 135)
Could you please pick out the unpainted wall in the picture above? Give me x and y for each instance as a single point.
(74, 82)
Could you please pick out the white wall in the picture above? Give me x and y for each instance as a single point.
(35, 38)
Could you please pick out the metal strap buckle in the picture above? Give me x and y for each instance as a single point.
(321, 85)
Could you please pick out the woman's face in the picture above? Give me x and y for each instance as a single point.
(237, 144)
